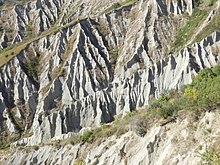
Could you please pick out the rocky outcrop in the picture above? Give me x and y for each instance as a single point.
(89, 106)
(4, 41)
(161, 145)
(101, 66)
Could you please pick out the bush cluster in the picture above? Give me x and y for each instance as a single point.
(203, 94)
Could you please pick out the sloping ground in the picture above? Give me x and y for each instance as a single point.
(179, 128)
(183, 145)
(69, 66)
(72, 75)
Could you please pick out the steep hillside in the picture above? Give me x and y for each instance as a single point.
(70, 66)
(186, 144)
(179, 128)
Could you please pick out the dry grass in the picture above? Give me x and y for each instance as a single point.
(9, 53)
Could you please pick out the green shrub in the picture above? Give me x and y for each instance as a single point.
(212, 2)
(203, 94)
(210, 156)
(141, 126)
(165, 107)
(204, 91)
(87, 136)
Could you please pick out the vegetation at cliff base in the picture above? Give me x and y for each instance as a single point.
(135, 121)
(203, 94)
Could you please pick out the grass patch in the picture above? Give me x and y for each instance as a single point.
(102, 29)
(6, 140)
(79, 163)
(113, 53)
(29, 30)
(7, 54)
(136, 121)
(27, 134)
(185, 33)
(207, 2)
(119, 6)
(213, 26)
(210, 156)
(19, 126)
(200, 13)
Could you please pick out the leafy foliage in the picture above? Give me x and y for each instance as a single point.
(203, 94)
(164, 107)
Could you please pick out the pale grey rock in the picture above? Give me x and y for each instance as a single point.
(161, 145)
(4, 40)
(77, 87)
(10, 125)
